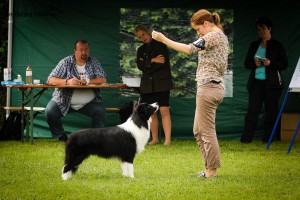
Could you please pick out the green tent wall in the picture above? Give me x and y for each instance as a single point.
(45, 31)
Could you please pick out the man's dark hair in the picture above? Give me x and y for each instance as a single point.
(80, 41)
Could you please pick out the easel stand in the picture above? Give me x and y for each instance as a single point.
(293, 87)
(294, 137)
(278, 118)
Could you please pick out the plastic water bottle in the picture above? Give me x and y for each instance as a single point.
(28, 75)
(5, 74)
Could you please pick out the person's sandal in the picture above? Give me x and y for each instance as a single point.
(202, 175)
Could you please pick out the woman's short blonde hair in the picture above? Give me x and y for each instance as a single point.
(142, 28)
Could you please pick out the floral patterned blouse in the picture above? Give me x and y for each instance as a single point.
(213, 60)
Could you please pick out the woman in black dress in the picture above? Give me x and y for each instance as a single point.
(156, 82)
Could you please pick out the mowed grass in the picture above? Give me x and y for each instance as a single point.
(248, 172)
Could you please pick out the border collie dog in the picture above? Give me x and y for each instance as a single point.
(123, 141)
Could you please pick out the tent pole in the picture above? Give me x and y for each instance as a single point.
(9, 50)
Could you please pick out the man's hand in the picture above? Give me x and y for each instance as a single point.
(75, 81)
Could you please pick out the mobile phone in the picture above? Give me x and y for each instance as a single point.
(260, 58)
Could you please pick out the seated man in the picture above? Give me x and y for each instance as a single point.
(76, 69)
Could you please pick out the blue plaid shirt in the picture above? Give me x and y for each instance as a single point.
(66, 69)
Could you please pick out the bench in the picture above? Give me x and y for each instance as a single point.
(112, 110)
(41, 109)
(38, 110)
(13, 108)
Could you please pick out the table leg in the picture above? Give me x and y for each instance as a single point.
(31, 117)
(22, 122)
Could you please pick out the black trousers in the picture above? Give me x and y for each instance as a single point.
(259, 95)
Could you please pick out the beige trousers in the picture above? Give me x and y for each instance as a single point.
(209, 96)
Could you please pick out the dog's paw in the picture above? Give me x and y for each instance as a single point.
(66, 176)
(128, 176)
(131, 177)
(127, 169)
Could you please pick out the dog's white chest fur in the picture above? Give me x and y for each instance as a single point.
(141, 135)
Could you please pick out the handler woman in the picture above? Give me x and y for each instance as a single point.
(212, 49)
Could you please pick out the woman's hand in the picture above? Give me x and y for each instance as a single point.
(177, 46)
(266, 62)
(158, 59)
(158, 36)
(258, 62)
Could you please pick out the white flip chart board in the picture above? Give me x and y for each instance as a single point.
(295, 82)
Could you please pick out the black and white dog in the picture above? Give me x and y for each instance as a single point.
(123, 141)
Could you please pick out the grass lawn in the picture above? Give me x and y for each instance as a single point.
(248, 172)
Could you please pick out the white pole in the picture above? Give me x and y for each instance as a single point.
(9, 49)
